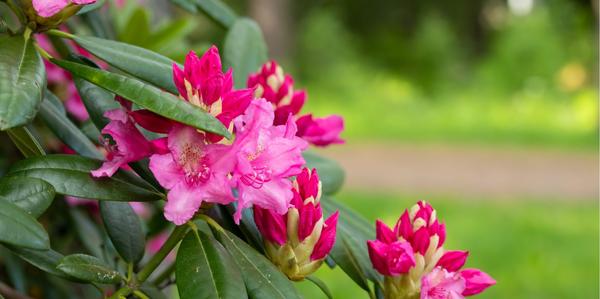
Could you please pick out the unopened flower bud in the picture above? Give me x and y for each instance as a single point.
(47, 14)
(298, 242)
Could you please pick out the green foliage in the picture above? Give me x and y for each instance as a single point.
(244, 50)
(330, 172)
(125, 230)
(206, 270)
(22, 81)
(18, 228)
(70, 175)
(88, 268)
(25, 142)
(32, 195)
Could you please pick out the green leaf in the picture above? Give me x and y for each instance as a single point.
(124, 228)
(96, 101)
(70, 175)
(88, 268)
(218, 11)
(149, 97)
(321, 285)
(137, 28)
(67, 131)
(91, 7)
(88, 232)
(206, 270)
(32, 195)
(262, 278)
(189, 5)
(20, 229)
(244, 50)
(22, 81)
(25, 142)
(136, 61)
(45, 260)
(350, 249)
(330, 172)
(55, 101)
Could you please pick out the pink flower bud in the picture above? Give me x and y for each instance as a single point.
(384, 233)
(453, 260)
(391, 259)
(476, 281)
(298, 241)
(421, 240)
(405, 226)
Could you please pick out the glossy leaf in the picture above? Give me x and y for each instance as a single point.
(70, 175)
(45, 260)
(262, 278)
(91, 7)
(330, 172)
(206, 270)
(22, 81)
(245, 50)
(32, 195)
(350, 249)
(136, 61)
(55, 101)
(96, 101)
(321, 285)
(67, 131)
(88, 268)
(25, 142)
(88, 232)
(20, 229)
(124, 228)
(148, 96)
(217, 11)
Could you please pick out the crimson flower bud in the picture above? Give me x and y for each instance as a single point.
(298, 242)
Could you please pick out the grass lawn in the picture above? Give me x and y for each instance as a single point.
(533, 248)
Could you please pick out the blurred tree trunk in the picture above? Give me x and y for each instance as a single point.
(274, 17)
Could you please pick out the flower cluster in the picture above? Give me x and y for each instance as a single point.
(196, 166)
(412, 259)
(276, 87)
(298, 241)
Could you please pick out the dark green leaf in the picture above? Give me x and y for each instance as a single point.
(88, 268)
(96, 100)
(350, 249)
(149, 97)
(153, 292)
(136, 61)
(25, 142)
(321, 285)
(88, 232)
(55, 101)
(20, 229)
(330, 172)
(218, 11)
(45, 260)
(206, 270)
(244, 50)
(22, 81)
(70, 175)
(67, 131)
(189, 5)
(262, 278)
(137, 28)
(90, 7)
(124, 228)
(32, 195)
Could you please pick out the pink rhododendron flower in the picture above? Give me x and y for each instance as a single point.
(127, 144)
(321, 131)
(193, 173)
(434, 272)
(298, 241)
(476, 281)
(203, 83)
(276, 87)
(441, 284)
(266, 156)
(48, 8)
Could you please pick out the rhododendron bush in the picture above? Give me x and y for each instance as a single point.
(196, 174)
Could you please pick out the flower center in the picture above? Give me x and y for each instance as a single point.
(193, 162)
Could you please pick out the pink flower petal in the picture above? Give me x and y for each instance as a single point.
(441, 284)
(453, 260)
(476, 281)
(48, 8)
(327, 239)
(182, 204)
(384, 233)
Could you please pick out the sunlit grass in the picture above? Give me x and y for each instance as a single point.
(534, 248)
